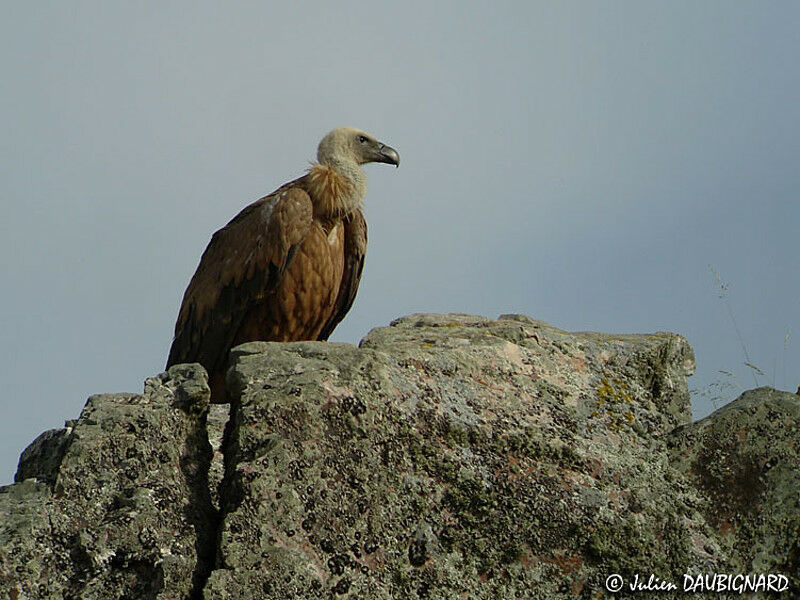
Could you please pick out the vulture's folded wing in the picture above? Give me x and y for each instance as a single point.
(242, 264)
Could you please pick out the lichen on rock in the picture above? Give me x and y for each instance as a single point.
(744, 460)
(125, 511)
(447, 456)
(453, 454)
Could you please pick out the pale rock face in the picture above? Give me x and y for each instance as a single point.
(446, 456)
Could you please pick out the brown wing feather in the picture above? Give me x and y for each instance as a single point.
(244, 261)
(355, 247)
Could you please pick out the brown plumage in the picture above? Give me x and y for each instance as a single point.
(287, 267)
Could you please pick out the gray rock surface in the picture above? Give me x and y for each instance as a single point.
(126, 514)
(42, 458)
(448, 456)
(745, 462)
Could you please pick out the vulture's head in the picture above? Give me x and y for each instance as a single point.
(351, 145)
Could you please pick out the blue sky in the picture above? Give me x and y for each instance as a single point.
(583, 163)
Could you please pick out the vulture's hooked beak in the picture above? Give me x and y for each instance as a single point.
(387, 154)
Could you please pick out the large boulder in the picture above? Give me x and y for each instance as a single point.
(448, 456)
(456, 456)
(125, 512)
(744, 460)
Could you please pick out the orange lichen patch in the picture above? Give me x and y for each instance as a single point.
(613, 389)
(578, 362)
(726, 528)
(614, 397)
(567, 564)
(741, 435)
(376, 560)
(527, 559)
(596, 468)
(313, 562)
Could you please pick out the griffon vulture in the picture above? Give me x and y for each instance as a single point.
(287, 267)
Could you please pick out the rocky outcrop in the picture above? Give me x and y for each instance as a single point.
(448, 456)
(744, 460)
(126, 513)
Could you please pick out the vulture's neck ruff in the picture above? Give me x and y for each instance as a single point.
(336, 188)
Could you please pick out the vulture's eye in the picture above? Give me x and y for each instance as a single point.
(362, 139)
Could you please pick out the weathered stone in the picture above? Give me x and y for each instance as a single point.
(456, 456)
(448, 456)
(745, 461)
(41, 459)
(128, 508)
